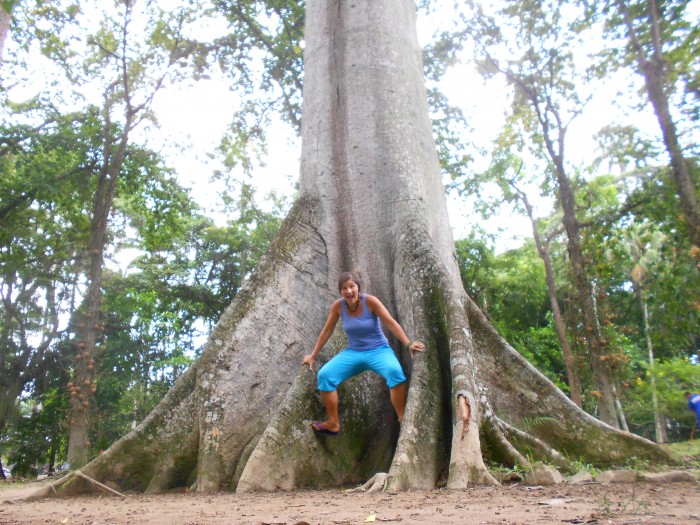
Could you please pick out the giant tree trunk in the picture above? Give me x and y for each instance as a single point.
(371, 200)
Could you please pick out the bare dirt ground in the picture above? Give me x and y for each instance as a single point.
(629, 503)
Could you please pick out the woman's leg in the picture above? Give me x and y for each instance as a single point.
(383, 361)
(398, 399)
(342, 366)
(330, 400)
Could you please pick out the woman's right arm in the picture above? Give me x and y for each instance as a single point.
(325, 334)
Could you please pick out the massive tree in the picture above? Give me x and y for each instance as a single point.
(371, 200)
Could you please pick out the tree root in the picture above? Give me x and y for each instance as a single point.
(375, 484)
(548, 453)
(50, 489)
(512, 454)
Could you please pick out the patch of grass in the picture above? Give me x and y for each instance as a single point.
(686, 452)
(501, 471)
(635, 463)
(581, 466)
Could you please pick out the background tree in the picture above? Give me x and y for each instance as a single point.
(146, 202)
(155, 315)
(42, 211)
(660, 45)
(546, 101)
(643, 250)
(131, 70)
(639, 191)
(508, 173)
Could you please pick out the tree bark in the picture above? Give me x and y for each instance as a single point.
(371, 200)
(5, 18)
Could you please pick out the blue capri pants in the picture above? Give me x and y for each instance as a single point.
(349, 363)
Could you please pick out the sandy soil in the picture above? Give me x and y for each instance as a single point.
(638, 503)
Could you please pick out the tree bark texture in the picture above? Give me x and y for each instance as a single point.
(371, 200)
(5, 18)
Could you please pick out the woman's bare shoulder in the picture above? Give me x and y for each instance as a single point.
(335, 307)
(372, 301)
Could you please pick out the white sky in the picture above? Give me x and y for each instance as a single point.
(196, 119)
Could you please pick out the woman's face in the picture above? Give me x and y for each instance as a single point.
(350, 291)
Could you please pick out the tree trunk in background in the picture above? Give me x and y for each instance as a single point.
(371, 200)
(659, 428)
(654, 68)
(601, 373)
(552, 124)
(653, 72)
(5, 18)
(559, 325)
(90, 327)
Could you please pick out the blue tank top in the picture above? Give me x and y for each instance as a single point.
(364, 331)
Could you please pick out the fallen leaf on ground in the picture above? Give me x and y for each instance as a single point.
(370, 518)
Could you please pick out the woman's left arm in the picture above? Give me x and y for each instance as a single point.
(376, 307)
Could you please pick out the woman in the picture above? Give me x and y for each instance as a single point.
(368, 350)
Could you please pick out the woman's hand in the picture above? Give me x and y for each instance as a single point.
(415, 346)
(309, 360)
